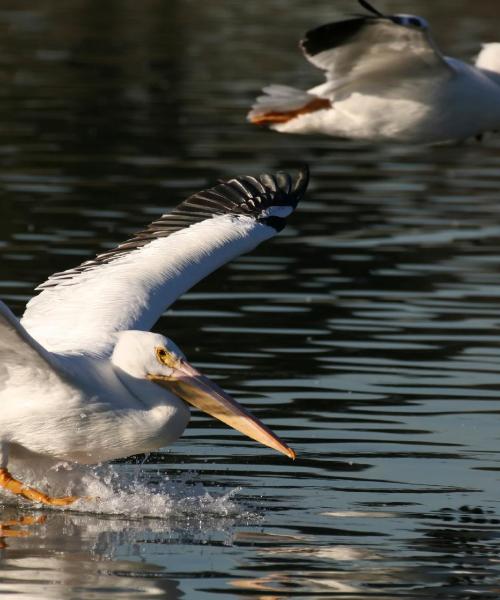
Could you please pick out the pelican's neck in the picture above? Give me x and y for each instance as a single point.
(145, 392)
(167, 414)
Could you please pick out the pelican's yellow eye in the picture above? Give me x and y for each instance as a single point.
(161, 354)
(165, 357)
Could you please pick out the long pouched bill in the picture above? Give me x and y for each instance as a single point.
(199, 391)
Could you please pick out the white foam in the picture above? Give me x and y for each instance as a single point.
(137, 493)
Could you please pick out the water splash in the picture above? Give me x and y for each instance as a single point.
(131, 492)
(115, 491)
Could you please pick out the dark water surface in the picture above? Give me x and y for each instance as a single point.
(367, 335)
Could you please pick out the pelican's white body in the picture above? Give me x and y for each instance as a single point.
(432, 111)
(86, 409)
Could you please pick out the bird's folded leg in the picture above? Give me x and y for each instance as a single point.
(16, 487)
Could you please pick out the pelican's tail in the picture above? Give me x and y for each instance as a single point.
(281, 103)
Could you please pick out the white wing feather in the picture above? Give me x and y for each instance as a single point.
(370, 52)
(79, 310)
(21, 357)
(132, 291)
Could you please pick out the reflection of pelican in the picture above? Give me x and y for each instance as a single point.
(386, 80)
(14, 528)
(81, 373)
(93, 554)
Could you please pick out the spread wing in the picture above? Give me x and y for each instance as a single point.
(21, 357)
(130, 286)
(380, 51)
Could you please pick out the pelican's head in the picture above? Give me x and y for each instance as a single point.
(154, 357)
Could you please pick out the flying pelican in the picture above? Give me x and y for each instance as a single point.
(82, 377)
(386, 80)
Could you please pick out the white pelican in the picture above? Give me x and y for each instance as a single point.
(82, 377)
(386, 80)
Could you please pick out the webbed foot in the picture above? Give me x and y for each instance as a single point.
(16, 487)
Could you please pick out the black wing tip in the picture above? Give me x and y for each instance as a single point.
(246, 195)
(332, 35)
(279, 187)
(338, 33)
(370, 8)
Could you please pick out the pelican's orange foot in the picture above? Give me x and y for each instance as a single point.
(16, 487)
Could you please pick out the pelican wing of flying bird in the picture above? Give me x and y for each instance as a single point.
(82, 379)
(386, 79)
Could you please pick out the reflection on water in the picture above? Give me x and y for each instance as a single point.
(86, 564)
(368, 334)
